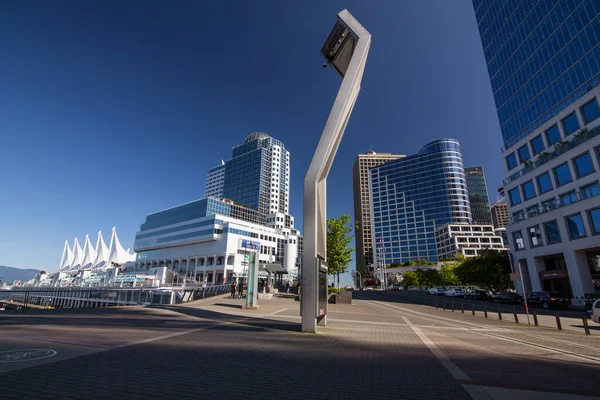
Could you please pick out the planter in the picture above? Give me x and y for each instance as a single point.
(341, 298)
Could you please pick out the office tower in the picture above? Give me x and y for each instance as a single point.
(499, 214)
(413, 195)
(543, 59)
(258, 175)
(468, 240)
(215, 180)
(478, 195)
(362, 206)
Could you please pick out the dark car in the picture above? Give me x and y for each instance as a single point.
(476, 295)
(506, 297)
(547, 300)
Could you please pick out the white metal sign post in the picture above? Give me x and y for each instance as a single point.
(346, 50)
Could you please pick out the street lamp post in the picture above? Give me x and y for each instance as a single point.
(346, 50)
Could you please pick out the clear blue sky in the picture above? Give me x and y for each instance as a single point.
(110, 110)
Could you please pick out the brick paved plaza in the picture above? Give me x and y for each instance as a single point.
(382, 346)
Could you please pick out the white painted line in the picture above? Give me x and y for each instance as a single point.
(563, 341)
(454, 370)
(594, 360)
(277, 312)
(477, 392)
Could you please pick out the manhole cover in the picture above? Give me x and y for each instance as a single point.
(25, 355)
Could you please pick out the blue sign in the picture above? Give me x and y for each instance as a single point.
(250, 245)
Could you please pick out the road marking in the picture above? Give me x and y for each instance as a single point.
(564, 341)
(277, 312)
(454, 370)
(22, 355)
(541, 346)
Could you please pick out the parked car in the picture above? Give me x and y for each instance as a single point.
(438, 291)
(547, 300)
(476, 295)
(454, 293)
(596, 311)
(506, 297)
(393, 288)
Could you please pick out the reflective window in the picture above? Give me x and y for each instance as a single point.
(511, 161)
(515, 196)
(552, 232)
(591, 111)
(575, 224)
(583, 165)
(568, 198)
(562, 174)
(595, 220)
(544, 183)
(524, 153)
(519, 245)
(528, 190)
(591, 190)
(538, 145)
(570, 124)
(553, 135)
(535, 236)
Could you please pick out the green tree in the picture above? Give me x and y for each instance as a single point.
(339, 252)
(433, 277)
(410, 279)
(447, 275)
(490, 270)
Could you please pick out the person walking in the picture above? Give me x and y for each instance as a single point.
(287, 285)
(240, 288)
(233, 290)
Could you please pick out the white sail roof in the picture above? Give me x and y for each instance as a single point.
(101, 259)
(65, 261)
(116, 253)
(89, 254)
(77, 256)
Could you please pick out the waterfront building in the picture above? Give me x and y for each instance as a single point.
(363, 235)
(209, 240)
(468, 240)
(257, 176)
(543, 59)
(413, 195)
(499, 213)
(215, 179)
(478, 195)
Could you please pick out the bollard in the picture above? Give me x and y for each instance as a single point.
(473, 311)
(453, 306)
(499, 314)
(535, 321)
(462, 307)
(558, 324)
(485, 311)
(516, 316)
(585, 325)
(436, 304)
(444, 304)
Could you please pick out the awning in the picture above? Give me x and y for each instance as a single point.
(273, 268)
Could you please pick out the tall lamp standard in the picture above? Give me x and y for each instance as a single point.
(346, 50)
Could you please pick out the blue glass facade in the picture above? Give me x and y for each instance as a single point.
(478, 195)
(249, 178)
(541, 56)
(413, 195)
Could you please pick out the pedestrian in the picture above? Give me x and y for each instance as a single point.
(240, 289)
(233, 290)
(287, 285)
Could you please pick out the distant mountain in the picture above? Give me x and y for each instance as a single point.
(10, 274)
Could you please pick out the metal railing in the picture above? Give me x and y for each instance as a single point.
(78, 297)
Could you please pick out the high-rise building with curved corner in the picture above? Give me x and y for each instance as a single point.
(413, 195)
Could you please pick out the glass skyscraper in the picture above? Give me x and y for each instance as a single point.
(543, 59)
(478, 195)
(412, 195)
(258, 175)
(541, 55)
